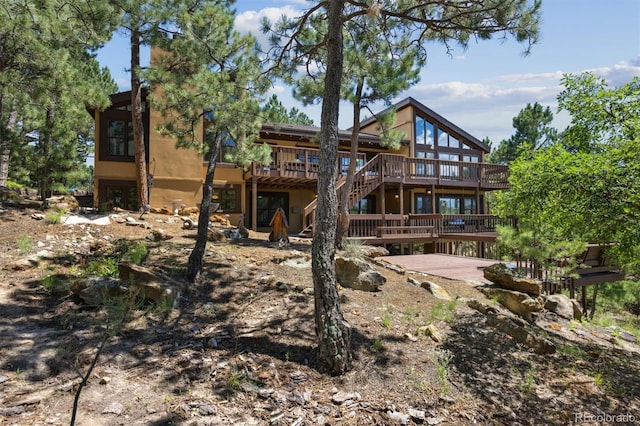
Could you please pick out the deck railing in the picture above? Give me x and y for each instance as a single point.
(366, 225)
(485, 175)
(303, 163)
(298, 162)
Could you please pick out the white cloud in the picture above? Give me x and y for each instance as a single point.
(251, 21)
(620, 73)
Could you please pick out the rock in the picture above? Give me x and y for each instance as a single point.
(560, 304)
(63, 202)
(37, 216)
(373, 251)
(93, 290)
(342, 397)
(413, 281)
(418, 415)
(188, 223)
(46, 255)
(216, 235)
(150, 285)
(22, 264)
(159, 235)
(244, 232)
(505, 277)
(131, 221)
(437, 291)
(12, 411)
(517, 302)
(516, 328)
(577, 310)
(207, 409)
(431, 331)
(358, 274)
(114, 408)
(293, 258)
(411, 337)
(397, 417)
(616, 331)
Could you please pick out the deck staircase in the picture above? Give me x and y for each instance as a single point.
(366, 179)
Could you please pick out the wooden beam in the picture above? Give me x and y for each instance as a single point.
(254, 203)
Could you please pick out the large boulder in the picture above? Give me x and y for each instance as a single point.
(373, 251)
(67, 203)
(148, 284)
(94, 290)
(437, 291)
(505, 277)
(358, 274)
(517, 302)
(561, 305)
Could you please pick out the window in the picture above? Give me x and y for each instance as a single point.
(228, 197)
(456, 205)
(344, 164)
(425, 168)
(227, 150)
(120, 138)
(470, 171)
(116, 133)
(449, 205)
(449, 170)
(423, 204)
(424, 131)
(469, 206)
(118, 193)
(447, 140)
(365, 206)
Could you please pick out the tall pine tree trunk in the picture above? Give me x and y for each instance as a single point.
(342, 228)
(6, 136)
(332, 330)
(46, 144)
(195, 258)
(136, 120)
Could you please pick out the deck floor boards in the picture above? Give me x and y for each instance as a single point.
(442, 265)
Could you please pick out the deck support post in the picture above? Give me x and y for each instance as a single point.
(383, 206)
(433, 199)
(254, 203)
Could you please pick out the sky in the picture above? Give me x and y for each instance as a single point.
(482, 88)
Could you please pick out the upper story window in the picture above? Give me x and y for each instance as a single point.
(424, 131)
(227, 149)
(447, 140)
(116, 134)
(120, 138)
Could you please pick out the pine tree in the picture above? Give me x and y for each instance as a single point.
(533, 131)
(446, 21)
(210, 73)
(59, 78)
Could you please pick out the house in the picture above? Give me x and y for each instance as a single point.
(435, 183)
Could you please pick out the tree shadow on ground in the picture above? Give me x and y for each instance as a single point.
(521, 387)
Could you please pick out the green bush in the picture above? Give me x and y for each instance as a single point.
(25, 244)
(104, 267)
(53, 217)
(136, 253)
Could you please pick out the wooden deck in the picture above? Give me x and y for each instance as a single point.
(446, 266)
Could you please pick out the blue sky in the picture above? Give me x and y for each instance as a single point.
(483, 87)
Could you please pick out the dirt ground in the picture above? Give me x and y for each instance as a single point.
(239, 345)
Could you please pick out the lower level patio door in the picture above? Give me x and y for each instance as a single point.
(268, 203)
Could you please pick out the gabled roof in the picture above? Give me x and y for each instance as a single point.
(300, 133)
(429, 113)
